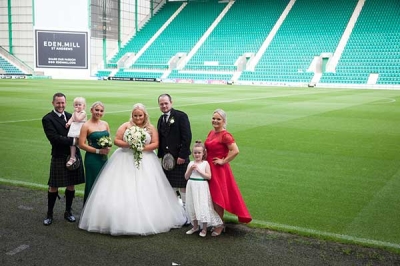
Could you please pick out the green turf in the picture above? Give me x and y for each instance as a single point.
(320, 161)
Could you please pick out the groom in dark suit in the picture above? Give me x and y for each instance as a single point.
(56, 132)
(175, 137)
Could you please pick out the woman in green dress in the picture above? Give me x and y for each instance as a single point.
(95, 140)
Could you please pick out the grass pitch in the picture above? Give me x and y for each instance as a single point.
(321, 162)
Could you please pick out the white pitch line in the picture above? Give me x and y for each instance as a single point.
(18, 121)
(326, 234)
(17, 250)
(391, 100)
(385, 100)
(28, 184)
(337, 236)
(185, 105)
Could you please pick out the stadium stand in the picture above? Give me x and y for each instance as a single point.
(128, 73)
(6, 68)
(268, 41)
(103, 73)
(234, 36)
(300, 38)
(373, 47)
(181, 34)
(146, 32)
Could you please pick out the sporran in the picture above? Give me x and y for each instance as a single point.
(168, 162)
(75, 165)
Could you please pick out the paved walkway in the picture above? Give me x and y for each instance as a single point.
(25, 241)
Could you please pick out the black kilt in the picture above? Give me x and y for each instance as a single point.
(60, 176)
(176, 176)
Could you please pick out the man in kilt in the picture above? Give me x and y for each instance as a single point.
(61, 176)
(175, 138)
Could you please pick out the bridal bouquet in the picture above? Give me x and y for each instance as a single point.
(136, 137)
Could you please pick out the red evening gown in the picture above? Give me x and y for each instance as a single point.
(223, 188)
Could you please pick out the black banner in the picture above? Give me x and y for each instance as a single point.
(19, 76)
(134, 79)
(104, 19)
(61, 49)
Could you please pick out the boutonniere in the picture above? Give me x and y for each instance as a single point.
(171, 121)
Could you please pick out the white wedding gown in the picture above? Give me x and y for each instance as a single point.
(126, 200)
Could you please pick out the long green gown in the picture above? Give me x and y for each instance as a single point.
(93, 162)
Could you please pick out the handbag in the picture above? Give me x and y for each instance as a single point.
(168, 162)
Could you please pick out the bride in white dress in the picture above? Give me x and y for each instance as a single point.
(131, 200)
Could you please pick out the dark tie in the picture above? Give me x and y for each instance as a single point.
(62, 117)
(165, 118)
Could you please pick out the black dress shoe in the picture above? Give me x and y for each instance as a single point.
(69, 217)
(48, 220)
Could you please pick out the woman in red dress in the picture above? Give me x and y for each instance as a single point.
(222, 149)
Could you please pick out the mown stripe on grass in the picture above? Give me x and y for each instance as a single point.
(186, 105)
(381, 205)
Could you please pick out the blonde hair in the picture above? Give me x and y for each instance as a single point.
(97, 103)
(146, 122)
(200, 144)
(223, 115)
(80, 100)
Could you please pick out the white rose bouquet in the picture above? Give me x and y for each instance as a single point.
(136, 137)
(104, 142)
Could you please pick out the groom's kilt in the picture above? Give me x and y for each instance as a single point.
(60, 176)
(176, 176)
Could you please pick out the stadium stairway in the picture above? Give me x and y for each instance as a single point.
(181, 35)
(142, 37)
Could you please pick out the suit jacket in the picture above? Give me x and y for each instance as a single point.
(56, 133)
(175, 136)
